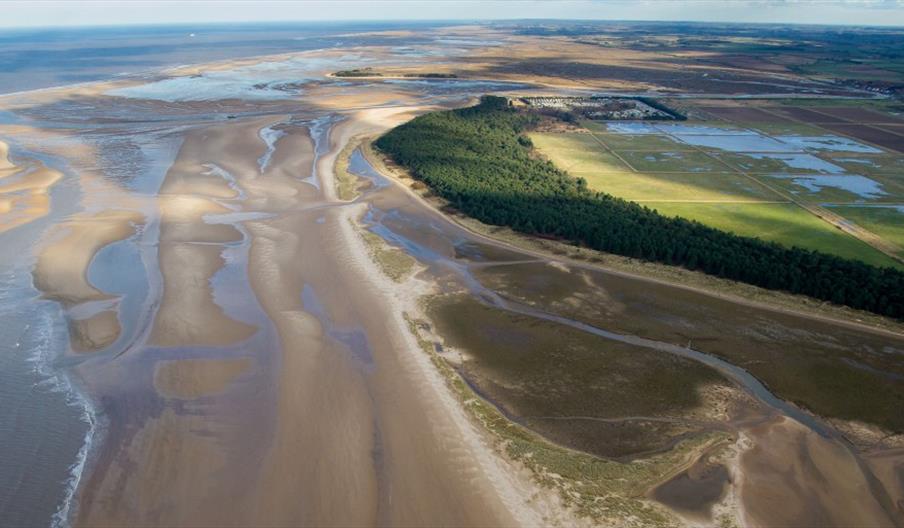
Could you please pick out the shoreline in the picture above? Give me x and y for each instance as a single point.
(509, 488)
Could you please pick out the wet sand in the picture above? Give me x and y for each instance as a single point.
(794, 477)
(23, 190)
(353, 439)
(263, 371)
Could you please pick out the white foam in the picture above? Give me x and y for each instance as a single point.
(43, 353)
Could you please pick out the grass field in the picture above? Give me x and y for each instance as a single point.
(713, 186)
(583, 157)
(786, 224)
(887, 222)
(670, 161)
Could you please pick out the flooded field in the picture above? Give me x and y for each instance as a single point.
(198, 331)
(739, 177)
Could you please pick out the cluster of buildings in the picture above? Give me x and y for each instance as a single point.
(601, 108)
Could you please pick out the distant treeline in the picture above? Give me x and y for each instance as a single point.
(478, 160)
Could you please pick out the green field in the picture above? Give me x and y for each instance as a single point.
(761, 165)
(583, 157)
(665, 181)
(786, 224)
(887, 222)
(670, 161)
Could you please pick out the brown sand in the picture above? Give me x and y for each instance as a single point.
(23, 190)
(94, 333)
(346, 448)
(6, 166)
(61, 269)
(794, 477)
(61, 272)
(189, 379)
(188, 314)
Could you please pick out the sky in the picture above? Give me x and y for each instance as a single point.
(43, 13)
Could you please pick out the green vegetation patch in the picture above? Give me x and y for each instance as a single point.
(787, 224)
(394, 262)
(472, 158)
(871, 165)
(672, 161)
(347, 184)
(604, 172)
(431, 75)
(887, 222)
(652, 189)
(580, 154)
(360, 72)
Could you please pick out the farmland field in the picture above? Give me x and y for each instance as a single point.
(885, 221)
(584, 158)
(786, 224)
(751, 178)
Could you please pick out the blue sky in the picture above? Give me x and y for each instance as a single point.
(33, 13)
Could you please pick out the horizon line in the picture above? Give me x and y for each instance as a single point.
(439, 20)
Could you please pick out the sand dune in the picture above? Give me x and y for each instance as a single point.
(6, 166)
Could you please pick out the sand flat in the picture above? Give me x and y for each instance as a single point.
(62, 265)
(794, 477)
(188, 313)
(189, 379)
(94, 333)
(23, 190)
